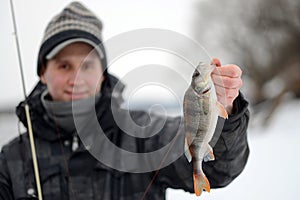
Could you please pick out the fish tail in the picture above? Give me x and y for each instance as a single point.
(201, 183)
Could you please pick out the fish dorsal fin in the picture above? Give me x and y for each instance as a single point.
(222, 111)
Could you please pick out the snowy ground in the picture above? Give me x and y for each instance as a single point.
(273, 169)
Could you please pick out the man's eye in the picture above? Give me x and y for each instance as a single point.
(86, 67)
(64, 66)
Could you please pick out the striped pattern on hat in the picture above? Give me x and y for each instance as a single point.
(74, 21)
(74, 17)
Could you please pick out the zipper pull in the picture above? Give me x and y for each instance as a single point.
(75, 143)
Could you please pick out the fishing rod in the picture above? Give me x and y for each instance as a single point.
(29, 126)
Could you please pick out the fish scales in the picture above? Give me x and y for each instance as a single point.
(201, 110)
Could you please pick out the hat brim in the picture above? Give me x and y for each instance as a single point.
(65, 43)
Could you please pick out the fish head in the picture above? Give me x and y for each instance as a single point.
(201, 79)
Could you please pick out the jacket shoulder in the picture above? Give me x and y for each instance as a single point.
(13, 147)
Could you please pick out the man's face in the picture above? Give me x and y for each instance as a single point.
(74, 73)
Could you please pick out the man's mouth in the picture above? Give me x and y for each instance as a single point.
(76, 95)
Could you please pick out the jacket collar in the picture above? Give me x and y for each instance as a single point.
(45, 128)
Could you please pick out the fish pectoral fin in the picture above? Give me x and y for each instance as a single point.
(222, 111)
(187, 152)
(201, 183)
(208, 157)
(209, 154)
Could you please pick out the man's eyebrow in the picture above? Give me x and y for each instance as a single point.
(88, 61)
(57, 60)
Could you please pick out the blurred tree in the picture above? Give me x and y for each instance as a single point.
(261, 36)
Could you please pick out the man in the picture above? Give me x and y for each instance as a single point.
(70, 73)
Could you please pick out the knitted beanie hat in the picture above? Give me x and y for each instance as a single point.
(74, 24)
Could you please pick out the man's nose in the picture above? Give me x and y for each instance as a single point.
(76, 77)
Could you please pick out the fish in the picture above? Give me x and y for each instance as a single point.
(201, 110)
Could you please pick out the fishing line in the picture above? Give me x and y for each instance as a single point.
(29, 126)
(161, 164)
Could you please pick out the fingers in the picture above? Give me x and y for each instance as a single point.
(227, 82)
(216, 61)
(231, 70)
(228, 93)
(228, 76)
(226, 96)
(227, 102)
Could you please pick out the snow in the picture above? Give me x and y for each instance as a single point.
(272, 171)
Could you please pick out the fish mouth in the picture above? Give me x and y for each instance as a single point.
(206, 91)
(196, 74)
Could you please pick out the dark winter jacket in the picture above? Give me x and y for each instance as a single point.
(66, 173)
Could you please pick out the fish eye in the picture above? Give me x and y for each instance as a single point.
(196, 73)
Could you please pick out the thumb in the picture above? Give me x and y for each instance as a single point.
(216, 61)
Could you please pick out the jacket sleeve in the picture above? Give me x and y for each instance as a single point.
(5, 186)
(230, 149)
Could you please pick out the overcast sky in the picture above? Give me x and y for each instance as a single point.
(118, 16)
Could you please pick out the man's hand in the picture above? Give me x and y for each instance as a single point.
(227, 80)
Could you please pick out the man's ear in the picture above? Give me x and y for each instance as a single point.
(42, 74)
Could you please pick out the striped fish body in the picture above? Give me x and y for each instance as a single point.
(201, 111)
